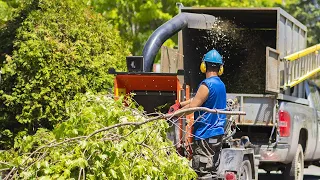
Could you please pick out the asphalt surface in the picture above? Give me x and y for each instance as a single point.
(311, 173)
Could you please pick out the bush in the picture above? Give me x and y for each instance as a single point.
(124, 152)
(54, 49)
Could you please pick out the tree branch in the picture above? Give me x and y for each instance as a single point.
(168, 116)
(8, 175)
(5, 163)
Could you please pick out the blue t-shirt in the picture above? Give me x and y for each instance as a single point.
(211, 124)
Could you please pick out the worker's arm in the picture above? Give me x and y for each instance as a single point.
(199, 99)
(184, 103)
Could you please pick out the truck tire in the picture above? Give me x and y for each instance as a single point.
(294, 170)
(245, 170)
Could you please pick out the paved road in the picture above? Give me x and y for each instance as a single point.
(311, 173)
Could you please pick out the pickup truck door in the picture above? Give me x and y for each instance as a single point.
(314, 99)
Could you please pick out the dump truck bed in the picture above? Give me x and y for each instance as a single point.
(243, 36)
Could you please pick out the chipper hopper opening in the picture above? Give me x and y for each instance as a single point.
(152, 92)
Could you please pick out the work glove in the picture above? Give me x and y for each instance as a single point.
(174, 107)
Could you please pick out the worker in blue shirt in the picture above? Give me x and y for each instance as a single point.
(208, 127)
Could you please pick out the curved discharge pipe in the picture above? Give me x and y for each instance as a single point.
(168, 29)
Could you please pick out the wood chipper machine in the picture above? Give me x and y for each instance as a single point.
(156, 92)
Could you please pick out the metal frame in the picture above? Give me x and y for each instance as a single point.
(293, 99)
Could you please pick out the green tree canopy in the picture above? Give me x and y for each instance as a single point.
(8, 9)
(50, 52)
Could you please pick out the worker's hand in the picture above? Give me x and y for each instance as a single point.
(174, 107)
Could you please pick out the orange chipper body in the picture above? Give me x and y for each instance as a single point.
(155, 85)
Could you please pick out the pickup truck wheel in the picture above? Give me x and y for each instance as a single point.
(245, 170)
(294, 170)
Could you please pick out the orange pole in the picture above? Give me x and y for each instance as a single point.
(189, 126)
(115, 88)
(179, 88)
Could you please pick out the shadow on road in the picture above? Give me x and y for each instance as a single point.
(280, 177)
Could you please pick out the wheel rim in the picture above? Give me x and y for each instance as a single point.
(244, 173)
(299, 168)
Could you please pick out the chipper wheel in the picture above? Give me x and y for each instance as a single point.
(245, 170)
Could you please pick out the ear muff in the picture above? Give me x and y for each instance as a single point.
(203, 68)
(221, 70)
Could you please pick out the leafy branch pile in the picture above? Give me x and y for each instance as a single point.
(54, 58)
(50, 52)
(77, 148)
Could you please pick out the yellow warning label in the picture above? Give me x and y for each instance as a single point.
(120, 91)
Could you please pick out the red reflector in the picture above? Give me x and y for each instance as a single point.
(230, 176)
(284, 123)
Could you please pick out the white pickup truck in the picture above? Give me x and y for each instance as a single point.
(292, 141)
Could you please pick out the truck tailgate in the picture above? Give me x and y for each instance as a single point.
(260, 109)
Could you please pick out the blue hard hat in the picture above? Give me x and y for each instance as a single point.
(213, 57)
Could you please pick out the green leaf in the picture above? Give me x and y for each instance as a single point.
(113, 173)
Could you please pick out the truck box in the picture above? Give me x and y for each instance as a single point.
(252, 42)
(242, 36)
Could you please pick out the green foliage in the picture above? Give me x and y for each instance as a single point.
(8, 9)
(136, 20)
(5, 12)
(126, 152)
(53, 50)
(237, 3)
(308, 13)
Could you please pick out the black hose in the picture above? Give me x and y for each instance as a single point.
(168, 29)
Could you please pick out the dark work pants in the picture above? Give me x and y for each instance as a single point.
(206, 157)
